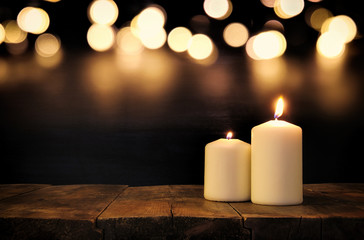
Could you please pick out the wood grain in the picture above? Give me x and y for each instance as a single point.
(329, 211)
(138, 213)
(195, 217)
(56, 212)
(323, 215)
(9, 190)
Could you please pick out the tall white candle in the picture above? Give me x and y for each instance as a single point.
(227, 170)
(276, 168)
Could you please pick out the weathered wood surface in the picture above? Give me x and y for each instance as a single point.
(10, 190)
(326, 213)
(169, 212)
(329, 211)
(195, 217)
(56, 212)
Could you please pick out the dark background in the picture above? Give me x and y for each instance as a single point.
(93, 119)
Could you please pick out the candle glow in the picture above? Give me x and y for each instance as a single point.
(229, 135)
(279, 108)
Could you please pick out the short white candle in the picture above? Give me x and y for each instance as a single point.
(277, 162)
(227, 170)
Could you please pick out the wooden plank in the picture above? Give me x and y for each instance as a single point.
(139, 213)
(329, 211)
(314, 219)
(195, 217)
(335, 187)
(349, 193)
(175, 212)
(10, 190)
(344, 218)
(56, 212)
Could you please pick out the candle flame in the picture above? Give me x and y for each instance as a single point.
(229, 135)
(279, 108)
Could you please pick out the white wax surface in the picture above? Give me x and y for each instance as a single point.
(276, 164)
(227, 170)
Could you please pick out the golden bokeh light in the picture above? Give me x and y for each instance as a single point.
(2, 33)
(13, 34)
(148, 27)
(268, 3)
(152, 17)
(100, 37)
(329, 45)
(127, 42)
(288, 8)
(200, 46)
(134, 26)
(235, 34)
(249, 48)
(315, 17)
(33, 20)
(335, 33)
(274, 25)
(178, 39)
(103, 12)
(153, 39)
(343, 26)
(47, 45)
(218, 9)
(268, 45)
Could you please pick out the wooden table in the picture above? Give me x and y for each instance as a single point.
(36, 211)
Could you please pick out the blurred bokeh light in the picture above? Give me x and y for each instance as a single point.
(336, 32)
(267, 45)
(268, 3)
(316, 16)
(200, 46)
(342, 26)
(103, 12)
(100, 37)
(2, 33)
(153, 39)
(152, 17)
(127, 42)
(149, 27)
(33, 20)
(179, 38)
(330, 46)
(288, 8)
(13, 34)
(274, 25)
(218, 9)
(235, 34)
(47, 45)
